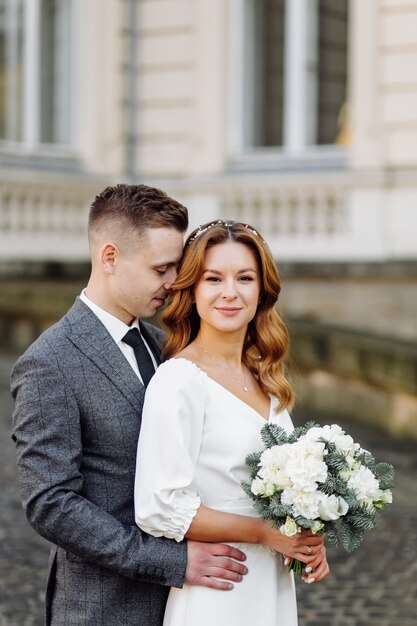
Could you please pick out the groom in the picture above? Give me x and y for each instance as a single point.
(79, 393)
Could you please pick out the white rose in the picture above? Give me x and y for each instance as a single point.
(346, 445)
(332, 507)
(258, 486)
(317, 526)
(313, 434)
(352, 463)
(386, 496)
(334, 434)
(290, 528)
(343, 442)
(270, 489)
(345, 474)
(383, 497)
(262, 487)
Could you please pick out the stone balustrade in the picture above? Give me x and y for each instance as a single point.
(307, 217)
(289, 211)
(44, 218)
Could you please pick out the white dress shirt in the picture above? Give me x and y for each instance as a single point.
(118, 329)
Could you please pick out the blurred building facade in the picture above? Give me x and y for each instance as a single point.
(297, 116)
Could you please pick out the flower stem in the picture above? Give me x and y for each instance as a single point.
(296, 566)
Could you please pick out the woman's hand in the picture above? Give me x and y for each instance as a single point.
(304, 546)
(317, 569)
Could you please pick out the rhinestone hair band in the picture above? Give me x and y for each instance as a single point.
(202, 230)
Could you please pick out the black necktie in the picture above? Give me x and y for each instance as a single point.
(146, 367)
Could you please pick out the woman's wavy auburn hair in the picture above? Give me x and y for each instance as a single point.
(267, 343)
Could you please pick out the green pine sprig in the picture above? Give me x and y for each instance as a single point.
(385, 473)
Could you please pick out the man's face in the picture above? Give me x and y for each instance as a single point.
(143, 272)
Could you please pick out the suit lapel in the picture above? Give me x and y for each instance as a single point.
(91, 337)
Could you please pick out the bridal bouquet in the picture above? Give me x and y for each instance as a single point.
(318, 478)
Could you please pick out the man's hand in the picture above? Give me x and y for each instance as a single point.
(207, 562)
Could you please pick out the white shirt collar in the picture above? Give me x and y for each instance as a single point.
(115, 327)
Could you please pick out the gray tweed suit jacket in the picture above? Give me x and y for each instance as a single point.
(76, 425)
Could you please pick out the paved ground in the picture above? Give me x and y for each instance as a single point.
(377, 585)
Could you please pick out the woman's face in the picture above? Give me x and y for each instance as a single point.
(227, 293)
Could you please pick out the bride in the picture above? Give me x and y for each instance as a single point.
(203, 413)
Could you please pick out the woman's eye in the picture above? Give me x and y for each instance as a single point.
(161, 271)
(213, 279)
(246, 278)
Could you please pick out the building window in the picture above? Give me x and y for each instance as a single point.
(266, 20)
(11, 69)
(332, 70)
(36, 72)
(289, 91)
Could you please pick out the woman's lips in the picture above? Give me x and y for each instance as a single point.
(228, 311)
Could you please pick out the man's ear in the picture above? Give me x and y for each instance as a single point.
(108, 257)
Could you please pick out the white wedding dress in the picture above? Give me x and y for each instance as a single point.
(194, 439)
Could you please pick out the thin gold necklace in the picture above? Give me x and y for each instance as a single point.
(243, 385)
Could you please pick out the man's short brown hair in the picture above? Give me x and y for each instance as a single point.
(139, 207)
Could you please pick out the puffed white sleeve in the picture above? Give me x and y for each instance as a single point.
(166, 499)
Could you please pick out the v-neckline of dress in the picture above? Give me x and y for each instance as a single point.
(265, 419)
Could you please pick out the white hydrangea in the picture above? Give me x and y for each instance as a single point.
(272, 466)
(364, 485)
(276, 456)
(304, 503)
(305, 466)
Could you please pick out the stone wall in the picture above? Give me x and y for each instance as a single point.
(353, 333)
(370, 378)
(369, 297)
(33, 298)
